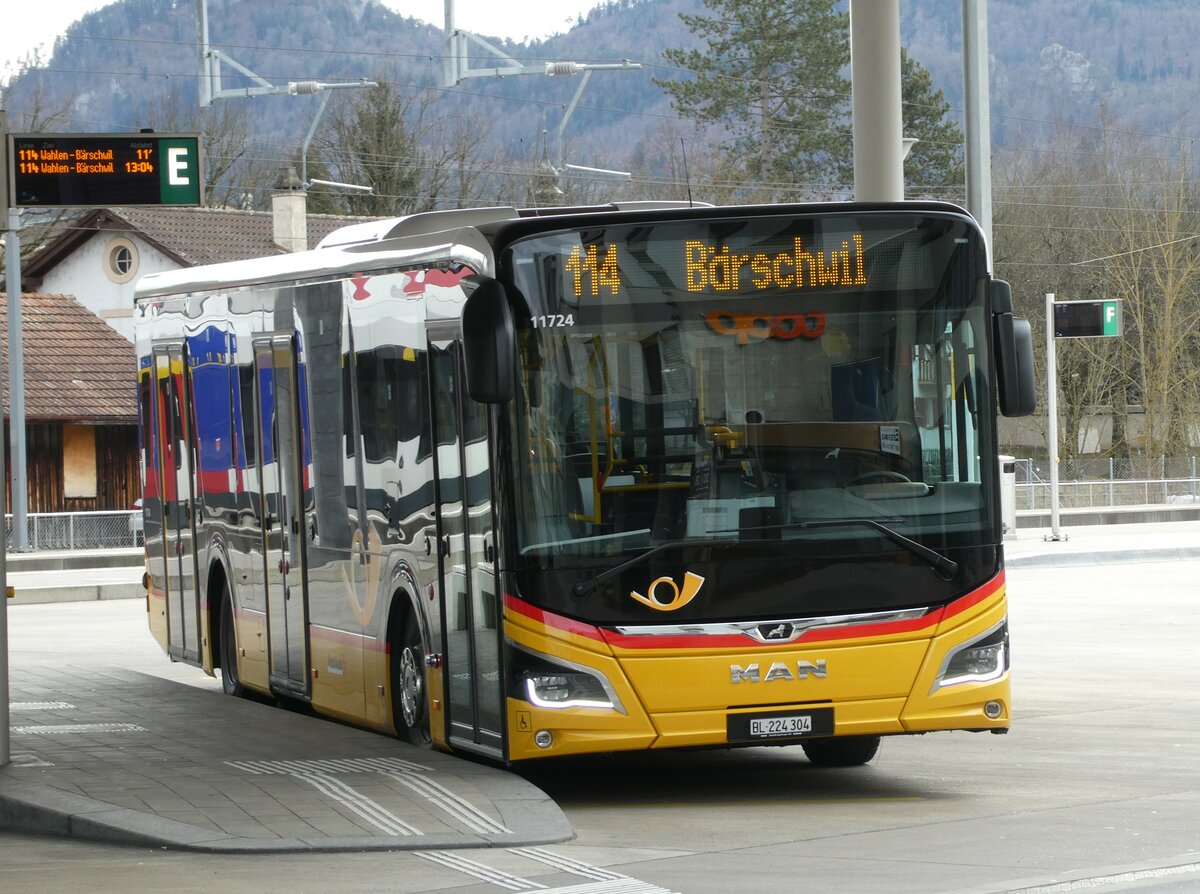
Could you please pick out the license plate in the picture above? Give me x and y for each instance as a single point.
(795, 724)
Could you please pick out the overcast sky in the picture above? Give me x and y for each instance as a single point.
(514, 19)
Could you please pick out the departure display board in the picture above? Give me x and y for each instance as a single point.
(48, 170)
(1087, 319)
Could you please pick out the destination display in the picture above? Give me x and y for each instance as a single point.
(101, 170)
(717, 267)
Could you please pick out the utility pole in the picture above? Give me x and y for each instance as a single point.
(978, 116)
(1052, 417)
(211, 89)
(457, 68)
(16, 377)
(11, 222)
(5, 756)
(875, 100)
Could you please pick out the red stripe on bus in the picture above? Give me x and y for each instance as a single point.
(549, 619)
(972, 599)
(928, 621)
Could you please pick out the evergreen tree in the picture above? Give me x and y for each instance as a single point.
(374, 140)
(936, 161)
(770, 78)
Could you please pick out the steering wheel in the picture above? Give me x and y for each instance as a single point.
(882, 476)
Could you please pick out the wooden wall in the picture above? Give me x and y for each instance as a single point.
(118, 481)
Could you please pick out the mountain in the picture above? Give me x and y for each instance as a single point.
(1123, 63)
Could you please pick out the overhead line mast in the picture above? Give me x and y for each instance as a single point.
(457, 68)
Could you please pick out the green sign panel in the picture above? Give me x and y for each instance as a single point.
(1087, 319)
(101, 170)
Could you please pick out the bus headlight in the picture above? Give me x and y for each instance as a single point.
(979, 661)
(556, 683)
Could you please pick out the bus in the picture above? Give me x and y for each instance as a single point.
(529, 483)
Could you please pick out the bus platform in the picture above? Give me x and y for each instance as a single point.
(1104, 543)
(111, 755)
(84, 575)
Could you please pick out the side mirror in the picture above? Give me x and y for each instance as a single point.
(1013, 343)
(489, 344)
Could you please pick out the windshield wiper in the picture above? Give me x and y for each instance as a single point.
(943, 565)
(584, 587)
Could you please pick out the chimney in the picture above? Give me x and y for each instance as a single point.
(289, 210)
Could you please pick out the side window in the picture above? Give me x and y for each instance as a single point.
(145, 419)
(245, 374)
(349, 396)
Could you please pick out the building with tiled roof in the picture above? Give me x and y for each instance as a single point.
(80, 407)
(76, 368)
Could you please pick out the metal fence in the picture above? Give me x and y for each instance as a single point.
(1092, 483)
(80, 530)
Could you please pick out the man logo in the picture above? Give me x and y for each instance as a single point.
(679, 597)
(778, 671)
(777, 631)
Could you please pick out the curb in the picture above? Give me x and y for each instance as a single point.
(41, 809)
(88, 593)
(1103, 557)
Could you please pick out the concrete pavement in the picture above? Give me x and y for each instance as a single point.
(112, 755)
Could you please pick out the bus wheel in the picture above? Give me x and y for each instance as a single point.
(842, 751)
(407, 670)
(230, 681)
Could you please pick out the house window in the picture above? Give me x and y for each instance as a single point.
(121, 260)
(79, 462)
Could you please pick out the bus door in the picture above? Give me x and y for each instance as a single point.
(281, 477)
(466, 554)
(175, 460)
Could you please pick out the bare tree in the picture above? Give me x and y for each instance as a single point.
(1149, 258)
(1105, 219)
(407, 145)
(233, 176)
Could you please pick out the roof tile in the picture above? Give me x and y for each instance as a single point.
(77, 368)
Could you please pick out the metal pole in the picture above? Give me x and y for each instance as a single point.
(875, 100)
(16, 383)
(452, 66)
(5, 756)
(1052, 417)
(206, 64)
(4, 695)
(978, 116)
(325, 94)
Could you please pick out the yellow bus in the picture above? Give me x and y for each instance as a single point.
(538, 483)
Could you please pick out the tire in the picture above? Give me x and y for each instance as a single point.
(842, 751)
(230, 681)
(406, 669)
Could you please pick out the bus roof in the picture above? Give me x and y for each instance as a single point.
(461, 235)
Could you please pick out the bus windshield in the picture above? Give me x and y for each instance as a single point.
(773, 389)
